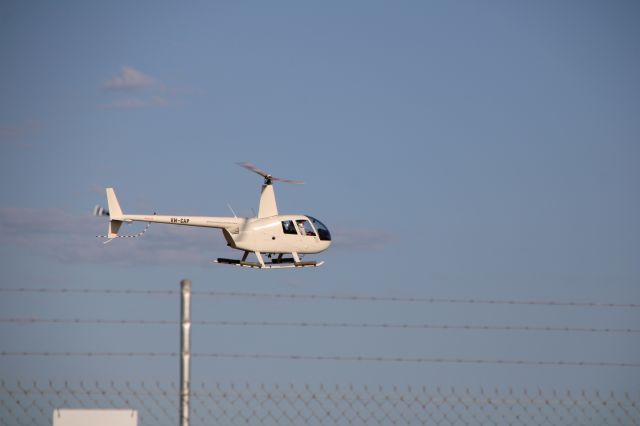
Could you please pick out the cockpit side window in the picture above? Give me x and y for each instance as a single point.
(288, 227)
(305, 228)
(323, 231)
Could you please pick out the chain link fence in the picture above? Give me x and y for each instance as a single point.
(34, 403)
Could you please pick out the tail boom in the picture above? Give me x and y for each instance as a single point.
(117, 218)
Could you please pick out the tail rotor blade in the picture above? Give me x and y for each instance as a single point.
(100, 211)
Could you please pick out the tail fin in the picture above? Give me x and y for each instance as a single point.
(115, 214)
(114, 207)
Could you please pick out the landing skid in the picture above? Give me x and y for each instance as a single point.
(277, 263)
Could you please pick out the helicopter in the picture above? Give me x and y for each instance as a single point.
(269, 234)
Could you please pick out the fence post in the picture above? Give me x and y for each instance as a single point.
(185, 351)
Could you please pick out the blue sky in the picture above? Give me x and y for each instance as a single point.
(476, 150)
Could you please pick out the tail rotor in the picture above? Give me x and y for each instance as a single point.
(98, 210)
(116, 218)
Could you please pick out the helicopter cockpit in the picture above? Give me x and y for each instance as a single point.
(304, 227)
(323, 231)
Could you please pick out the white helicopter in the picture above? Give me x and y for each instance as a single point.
(269, 233)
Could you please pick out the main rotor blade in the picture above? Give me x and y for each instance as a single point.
(267, 176)
(253, 168)
(296, 182)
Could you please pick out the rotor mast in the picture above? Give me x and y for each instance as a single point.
(268, 206)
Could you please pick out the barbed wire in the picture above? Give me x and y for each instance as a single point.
(328, 297)
(339, 358)
(312, 324)
(88, 291)
(33, 403)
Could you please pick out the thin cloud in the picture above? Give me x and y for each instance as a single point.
(149, 91)
(129, 103)
(15, 134)
(361, 239)
(159, 101)
(132, 103)
(131, 79)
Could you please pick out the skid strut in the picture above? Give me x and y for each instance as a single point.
(279, 262)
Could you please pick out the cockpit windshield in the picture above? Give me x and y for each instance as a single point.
(323, 231)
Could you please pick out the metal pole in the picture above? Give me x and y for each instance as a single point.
(185, 351)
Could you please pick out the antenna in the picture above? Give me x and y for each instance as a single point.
(231, 208)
